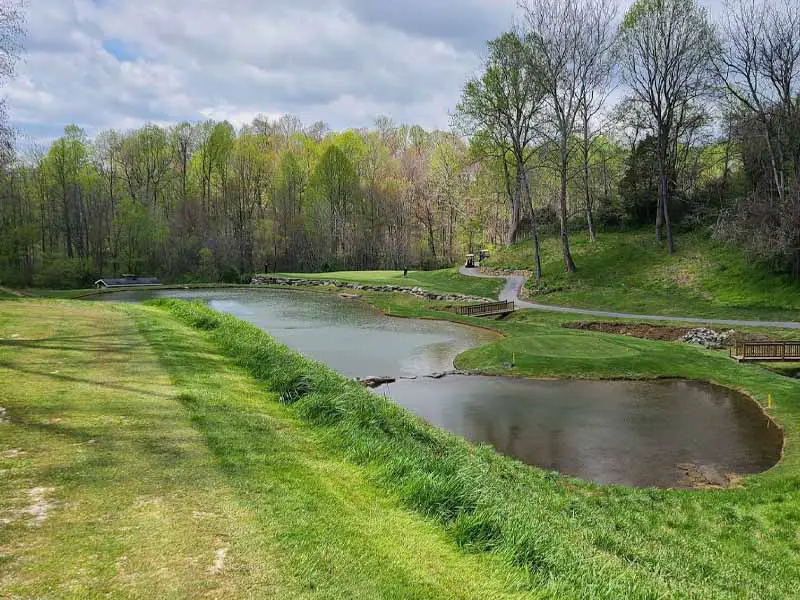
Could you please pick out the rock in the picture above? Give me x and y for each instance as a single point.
(709, 338)
(414, 291)
(374, 382)
(445, 374)
(349, 296)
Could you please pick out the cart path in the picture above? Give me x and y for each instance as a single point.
(514, 284)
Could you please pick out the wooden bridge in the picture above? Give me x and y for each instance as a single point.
(766, 351)
(488, 309)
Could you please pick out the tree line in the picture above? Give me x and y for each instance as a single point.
(704, 131)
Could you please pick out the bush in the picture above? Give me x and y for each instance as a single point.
(65, 273)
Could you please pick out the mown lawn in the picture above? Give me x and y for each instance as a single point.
(629, 272)
(138, 461)
(442, 281)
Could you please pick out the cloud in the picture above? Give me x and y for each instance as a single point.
(122, 63)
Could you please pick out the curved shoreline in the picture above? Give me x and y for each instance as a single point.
(511, 287)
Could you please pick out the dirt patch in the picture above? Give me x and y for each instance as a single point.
(663, 333)
(219, 561)
(704, 477)
(40, 507)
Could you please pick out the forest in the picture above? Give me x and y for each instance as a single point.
(581, 118)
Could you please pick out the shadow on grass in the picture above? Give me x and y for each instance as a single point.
(71, 379)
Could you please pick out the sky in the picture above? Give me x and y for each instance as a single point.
(122, 63)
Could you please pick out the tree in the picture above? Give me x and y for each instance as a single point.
(663, 55)
(759, 62)
(566, 49)
(594, 88)
(501, 107)
(12, 32)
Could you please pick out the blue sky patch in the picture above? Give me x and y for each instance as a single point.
(119, 49)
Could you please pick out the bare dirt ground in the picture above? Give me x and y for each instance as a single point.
(664, 333)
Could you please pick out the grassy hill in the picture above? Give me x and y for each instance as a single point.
(630, 272)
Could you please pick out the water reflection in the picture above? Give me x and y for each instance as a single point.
(634, 433)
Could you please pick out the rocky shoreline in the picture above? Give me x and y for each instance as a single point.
(414, 291)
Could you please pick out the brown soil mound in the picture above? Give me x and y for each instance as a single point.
(663, 333)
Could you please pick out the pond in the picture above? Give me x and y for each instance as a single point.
(663, 433)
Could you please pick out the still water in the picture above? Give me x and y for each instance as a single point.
(667, 434)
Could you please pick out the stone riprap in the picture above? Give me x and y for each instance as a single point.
(414, 291)
(709, 338)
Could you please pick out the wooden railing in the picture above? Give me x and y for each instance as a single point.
(487, 309)
(765, 351)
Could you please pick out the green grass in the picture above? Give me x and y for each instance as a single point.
(342, 494)
(576, 539)
(443, 281)
(150, 453)
(629, 272)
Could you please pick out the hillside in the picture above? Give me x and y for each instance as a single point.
(629, 272)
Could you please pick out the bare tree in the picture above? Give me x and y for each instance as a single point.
(566, 41)
(501, 107)
(663, 56)
(596, 79)
(759, 62)
(12, 32)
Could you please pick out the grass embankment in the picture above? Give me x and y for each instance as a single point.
(575, 539)
(629, 272)
(444, 281)
(139, 461)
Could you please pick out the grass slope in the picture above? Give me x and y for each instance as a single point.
(139, 461)
(577, 540)
(629, 272)
(442, 281)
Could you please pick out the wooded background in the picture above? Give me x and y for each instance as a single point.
(703, 131)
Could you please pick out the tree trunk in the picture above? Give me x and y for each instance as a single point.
(537, 255)
(515, 217)
(569, 264)
(663, 196)
(586, 191)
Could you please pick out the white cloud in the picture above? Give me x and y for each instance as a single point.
(122, 63)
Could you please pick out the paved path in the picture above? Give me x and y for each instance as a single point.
(514, 284)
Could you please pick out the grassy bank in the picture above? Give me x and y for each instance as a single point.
(443, 281)
(139, 461)
(629, 272)
(576, 540)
